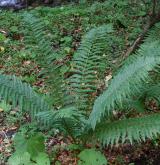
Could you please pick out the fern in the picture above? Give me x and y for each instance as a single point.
(131, 129)
(127, 82)
(88, 62)
(147, 92)
(153, 34)
(21, 94)
(68, 120)
(154, 92)
(46, 57)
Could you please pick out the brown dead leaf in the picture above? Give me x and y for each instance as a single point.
(27, 62)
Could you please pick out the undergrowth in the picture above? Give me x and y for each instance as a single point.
(68, 55)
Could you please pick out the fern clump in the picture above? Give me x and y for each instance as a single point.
(73, 96)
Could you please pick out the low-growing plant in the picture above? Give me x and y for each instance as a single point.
(75, 108)
(30, 150)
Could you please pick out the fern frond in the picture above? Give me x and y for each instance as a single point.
(132, 129)
(153, 92)
(127, 82)
(48, 116)
(46, 57)
(153, 34)
(88, 62)
(21, 94)
(68, 120)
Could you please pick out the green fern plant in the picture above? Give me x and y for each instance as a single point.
(132, 86)
(67, 119)
(88, 59)
(86, 65)
(128, 130)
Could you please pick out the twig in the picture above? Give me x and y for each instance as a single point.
(138, 41)
(154, 7)
(5, 136)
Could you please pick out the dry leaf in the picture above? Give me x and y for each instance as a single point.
(2, 49)
(107, 78)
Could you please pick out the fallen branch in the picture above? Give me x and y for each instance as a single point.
(139, 40)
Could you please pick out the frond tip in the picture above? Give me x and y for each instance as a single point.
(21, 94)
(131, 129)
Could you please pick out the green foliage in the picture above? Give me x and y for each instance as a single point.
(29, 150)
(154, 92)
(46, 57)
(88, 62)
(33, 145)
(68, 120)
(91, 157)
(21, 94)
(42, 159)
(19, 158)
(72, 94)
(127, 82)
(153, 34)
(88, 59)
(132, 82)
(132, 129)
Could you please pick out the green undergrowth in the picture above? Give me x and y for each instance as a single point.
(65, 27)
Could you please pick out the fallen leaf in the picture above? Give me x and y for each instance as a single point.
(1, 110)
(107, 78)
(2, 49)
(27, 62)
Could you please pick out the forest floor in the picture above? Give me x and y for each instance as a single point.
(65, 27)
